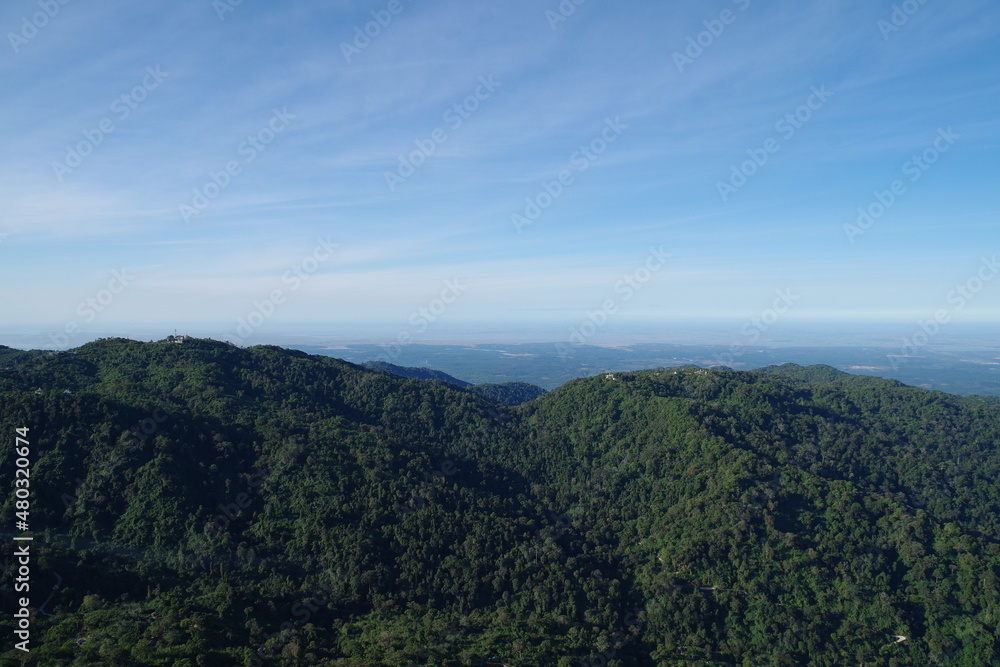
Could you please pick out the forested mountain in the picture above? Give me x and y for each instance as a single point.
(415, 373)
(203, 504)
(505, 393)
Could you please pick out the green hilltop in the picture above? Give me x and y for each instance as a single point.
(205, 504)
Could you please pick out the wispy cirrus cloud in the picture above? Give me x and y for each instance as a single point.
(325, 175)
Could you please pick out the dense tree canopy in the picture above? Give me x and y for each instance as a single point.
(204, 504)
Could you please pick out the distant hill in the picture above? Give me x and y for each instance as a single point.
(416, 373)
(815, 373)
(204, 504)
(504, 393)
(10, 356)
(976, 371)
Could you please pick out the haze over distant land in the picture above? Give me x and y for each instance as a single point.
(731, 332)
(961, 360)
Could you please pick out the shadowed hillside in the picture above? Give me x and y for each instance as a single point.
(204, 504)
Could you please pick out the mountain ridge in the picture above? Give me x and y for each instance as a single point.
(650, 517)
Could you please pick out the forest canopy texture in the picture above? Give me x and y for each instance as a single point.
(196, 503)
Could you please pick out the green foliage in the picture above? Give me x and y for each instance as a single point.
(415, 373)
(509, 393)
(210, 505)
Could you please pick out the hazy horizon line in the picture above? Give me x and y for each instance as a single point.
(708, 333)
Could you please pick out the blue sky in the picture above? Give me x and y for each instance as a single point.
(162, 96)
